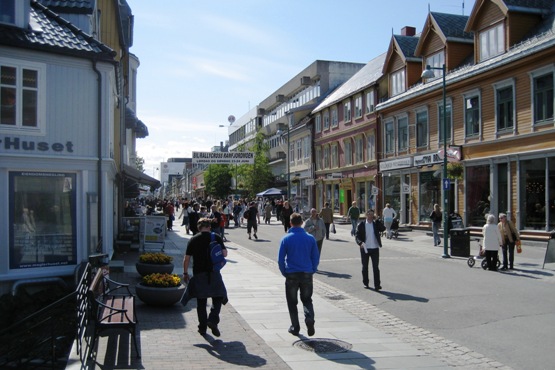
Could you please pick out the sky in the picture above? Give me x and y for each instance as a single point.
(204, 60)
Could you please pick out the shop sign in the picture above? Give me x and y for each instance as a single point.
(427, 159)
(309, 182)
(15, 143)
(396, 164)
(223, 157)
(405, 189)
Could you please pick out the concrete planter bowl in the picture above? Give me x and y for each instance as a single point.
(150, 268)
(157, 296)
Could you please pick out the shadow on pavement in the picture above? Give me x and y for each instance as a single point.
(231, 352)
(403, 297)
(334, 275)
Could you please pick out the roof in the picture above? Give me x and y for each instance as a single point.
(520, 6)
(367, 76)
(452, 26)
(69, 6)
(49, 32)
(407, 45)
(544, 5)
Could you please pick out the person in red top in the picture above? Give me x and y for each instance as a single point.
(170, 213)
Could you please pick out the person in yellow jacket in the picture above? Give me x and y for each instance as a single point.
(327, 215)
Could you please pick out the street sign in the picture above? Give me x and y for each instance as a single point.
(309, 182)
(336, 175)
(446, 184)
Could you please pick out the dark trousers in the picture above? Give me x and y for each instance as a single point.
(491, 258)
(374, 254)
(327, 230)
(508, 247)
(295, 282)
(203, 317)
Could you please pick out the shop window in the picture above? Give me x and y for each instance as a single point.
(532, 191)
(478, 194)
(43, 219)
(392, 191)
(430, 194)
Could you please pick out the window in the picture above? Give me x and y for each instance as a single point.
(42, 212)
(504, 106)
(334, 156)
(334, 119)
(492, 42)
(306, 150)
(389, 137)
(422, 128)
(398, 82)
(543, 99)
(318, 123)
(348, 153)
(326, 120)
(371, 147)
(318, 158)
(403, 133)
(441, 123)
(347, 111)
(292, 152)
(436, 60)
(472, 115)
(22, 108)
(358, 106)
(7, 11)
(370, 104)
(359, 149)
(326, 157)
(299, 150)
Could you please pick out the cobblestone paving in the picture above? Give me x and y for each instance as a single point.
(451, 353)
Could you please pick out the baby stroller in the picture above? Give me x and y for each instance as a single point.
(481, 257)
(395, 228)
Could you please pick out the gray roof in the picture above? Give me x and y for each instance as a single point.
(407, 45)
(51, 33)
(452, 26)
(367, 76)
(69, 6)
(518, 5)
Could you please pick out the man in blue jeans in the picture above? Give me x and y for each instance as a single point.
(298, 260)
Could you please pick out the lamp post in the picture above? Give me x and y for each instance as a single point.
(429, 73)
(280, 132)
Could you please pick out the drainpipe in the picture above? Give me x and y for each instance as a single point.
(99, 161)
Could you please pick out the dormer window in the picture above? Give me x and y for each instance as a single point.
(15, 12)
(398, 84)
(492, 42)
(7, 11)
(436, 61)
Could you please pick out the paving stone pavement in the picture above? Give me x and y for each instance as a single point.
(254, 328)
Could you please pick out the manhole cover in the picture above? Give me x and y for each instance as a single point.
(322, 345)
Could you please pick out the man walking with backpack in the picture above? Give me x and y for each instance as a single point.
(206, 281)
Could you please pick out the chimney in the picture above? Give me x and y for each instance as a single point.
(408, 31)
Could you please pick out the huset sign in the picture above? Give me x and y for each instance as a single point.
(16, 144)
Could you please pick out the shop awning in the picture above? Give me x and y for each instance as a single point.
(139, 177)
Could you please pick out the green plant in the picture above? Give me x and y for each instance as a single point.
(162, 280)
(155, 258)
(455, 170)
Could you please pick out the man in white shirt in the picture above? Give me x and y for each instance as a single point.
(368, 239)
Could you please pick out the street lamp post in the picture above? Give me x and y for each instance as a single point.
(429, 73)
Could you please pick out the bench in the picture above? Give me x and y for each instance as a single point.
(107, 305)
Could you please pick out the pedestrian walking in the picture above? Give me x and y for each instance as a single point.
(298, 260)
(314, 225)
(369, 240)
(169, 211)
(510, 237)
(491, 242)
(286, 212)
(353, 213)
(388, 214)
(236, 213)
(436, 217)
(267, 213)
(206, 282)
(194, 217)
(185, 210)
(252, 216)
(327, 215)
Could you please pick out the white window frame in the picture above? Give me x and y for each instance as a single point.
(436, 61)
(292, 152)
(500, 86)
(299, 149)
(389, 135)
(334, 117)
(347, 115)
(466, 97)
(398, 82)
(334, 153)
(417, 112)
(318, 157)
(358, 106)
(18, 128)
(541, 72)
(318, 123)
(326, 118)
(399, 119)
(348, 152)
(326, 157)
(359, 149)
(21, 8)
(440, 121)
(370, 101)
(492, 41)
(306, 147)
(371, 147)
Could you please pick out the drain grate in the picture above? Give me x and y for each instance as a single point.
(323, 345)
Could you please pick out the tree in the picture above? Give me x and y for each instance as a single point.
(140, 164)
(217, 179)
(258, 176)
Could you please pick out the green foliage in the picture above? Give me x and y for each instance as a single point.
(256, 177)
(455, 170)
(217, 179)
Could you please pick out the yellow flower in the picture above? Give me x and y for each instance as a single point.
(162, 280)
(155, 258)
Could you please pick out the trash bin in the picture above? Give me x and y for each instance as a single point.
(460, 242)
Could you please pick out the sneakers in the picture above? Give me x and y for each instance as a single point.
(294, 331)
(214, 328)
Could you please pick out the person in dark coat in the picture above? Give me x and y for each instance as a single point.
(286, 213)
(368, 239)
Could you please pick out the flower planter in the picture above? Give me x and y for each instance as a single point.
(156, 296)
(150, 268)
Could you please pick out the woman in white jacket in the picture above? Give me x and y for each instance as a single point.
(492, 241)
(388, 214)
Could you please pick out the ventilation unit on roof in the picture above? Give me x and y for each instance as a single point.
(261, 111)
(305, 80)
(280, 98)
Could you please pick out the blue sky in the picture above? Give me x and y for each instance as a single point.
(204, 60)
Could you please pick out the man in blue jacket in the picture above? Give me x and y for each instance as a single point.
(298, 260)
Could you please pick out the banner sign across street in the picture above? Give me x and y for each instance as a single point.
(223, 157)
